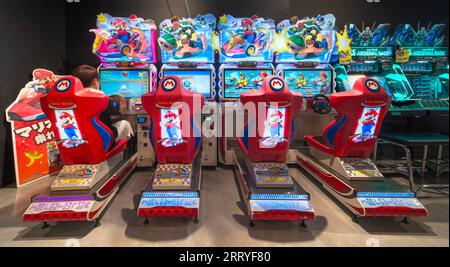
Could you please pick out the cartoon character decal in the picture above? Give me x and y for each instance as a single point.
(187, 39)
(68, 129)
(245, 38)
(124, 39)
(27, 106)
(274, 128)
(367, 125)
(311, 39)
(170, 128)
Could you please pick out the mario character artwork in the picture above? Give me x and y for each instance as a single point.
(129, 38)
(274, 133)
(257, 82)
(322, 82)
(171, 132)
(69, 127)
(366, 127)
(27, 106)
(245, 37)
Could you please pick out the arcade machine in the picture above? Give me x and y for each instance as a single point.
(94, 163)
(362, 54)
(175, 117)
(419, 89)
(127, 51)
(246, 57)
(268, 191)
(304, 49)
(340, 159)
(187, 51)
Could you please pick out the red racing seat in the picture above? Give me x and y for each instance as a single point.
(74, 110)
(268, 132)
(360, 115)
(175, 115)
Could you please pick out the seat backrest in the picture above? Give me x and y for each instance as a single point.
(74, 110)
(360, 115)
(268, 133)
(175, 119)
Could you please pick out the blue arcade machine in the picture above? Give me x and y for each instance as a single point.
(418, 83)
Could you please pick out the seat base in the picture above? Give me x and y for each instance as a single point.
(84, 176)
(274, 202)
(351, 168)
(173, 177)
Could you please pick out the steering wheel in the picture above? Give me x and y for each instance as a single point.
(321, 104)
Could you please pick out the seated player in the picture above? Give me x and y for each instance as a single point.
(111, 117)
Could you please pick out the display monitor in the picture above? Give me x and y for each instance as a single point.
(274, 128)
(128, 83)
(195, 80)
(239, 81)
(310, 82)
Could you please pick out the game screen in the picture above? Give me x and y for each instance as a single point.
(273, 128)
(198, 81)
(367, 125)
(68, 128)
(170, 127)
(239, 81)
(126, 83)
(310, 82)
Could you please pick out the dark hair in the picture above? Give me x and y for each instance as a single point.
(87, 74)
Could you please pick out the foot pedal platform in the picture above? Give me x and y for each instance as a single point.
(173, 177)
(272, 175)
(360, 169)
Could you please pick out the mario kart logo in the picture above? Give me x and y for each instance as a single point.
(169, 84)
(276, 84)
(63, 85)
(372, 85)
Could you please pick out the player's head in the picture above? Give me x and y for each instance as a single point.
(371, 114)
(88, 76)
(65, 117)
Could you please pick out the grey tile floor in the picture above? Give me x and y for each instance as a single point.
(222, 222)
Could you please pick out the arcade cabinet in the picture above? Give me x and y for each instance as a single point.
(304, 50)
(187, 51)
(246, 57)
(419, 89)
(340, 159)
(94, 163)
(127, 51)
(175, 121)
(268, 190)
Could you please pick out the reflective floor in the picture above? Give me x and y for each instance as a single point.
(222, 222)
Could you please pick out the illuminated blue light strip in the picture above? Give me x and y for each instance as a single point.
(386, 194)
(169, 194)
(63, 198)
(279, 197)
